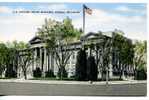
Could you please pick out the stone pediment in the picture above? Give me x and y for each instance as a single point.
(89, 35)
(35, 39)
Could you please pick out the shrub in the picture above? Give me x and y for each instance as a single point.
(141, 75)
(80, 73)
(10, 73)
(37, 72)
(92, 70)
(62, 73)
(49, 73)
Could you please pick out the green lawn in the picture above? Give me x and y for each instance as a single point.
(7, 78)
(52, 78)
(69, 79)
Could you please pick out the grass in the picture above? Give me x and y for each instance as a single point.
(111, 79)
(70, 79)
(6, 78)
(52, 78)
(64, 79)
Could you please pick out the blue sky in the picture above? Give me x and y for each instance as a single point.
(128, 17)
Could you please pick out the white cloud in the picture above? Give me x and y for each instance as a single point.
(54, 7)
(7, 10)
(4, 9)
(126, 9)
(123, 8)
(21, 27)
(134, 27)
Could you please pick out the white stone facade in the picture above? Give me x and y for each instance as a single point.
(46, 62)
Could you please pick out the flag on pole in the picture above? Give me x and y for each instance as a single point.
(87, 10)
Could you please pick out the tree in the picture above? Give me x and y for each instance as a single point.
(49, 73)
(92, 70)
(3, 57)
(81, 68)
(140, 59)
(140, 54)
(106, 54)
(57, 36)
(12, 57)
(25, 60)
(37, 72)
(11, 63)
(125, 52)
(9, 57)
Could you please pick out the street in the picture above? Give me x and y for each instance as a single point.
(73, 89)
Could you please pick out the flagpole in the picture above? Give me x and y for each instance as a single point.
(83, 26)
(83, 20)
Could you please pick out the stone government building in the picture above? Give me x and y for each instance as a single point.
(46, 62)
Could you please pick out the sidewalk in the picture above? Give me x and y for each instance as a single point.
(72, 82)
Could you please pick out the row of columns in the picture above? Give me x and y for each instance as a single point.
(42, 60)
(48, 60)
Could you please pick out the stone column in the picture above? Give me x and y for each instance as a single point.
(49, 61)
(33, 61)
(55, 66)
(88, 52)
(45, 60)
(40, 58)
(97, 54)
(110, 67)
(110, 64)
(52, 63)
(35, 57)
(70, 65)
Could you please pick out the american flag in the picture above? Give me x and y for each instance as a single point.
(87, 10)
